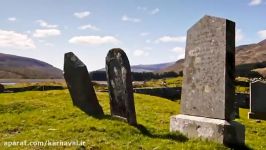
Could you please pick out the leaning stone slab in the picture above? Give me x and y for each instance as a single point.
(80, 85)
(220, 131)
(257, 100)
(120, 86)
(207, 99)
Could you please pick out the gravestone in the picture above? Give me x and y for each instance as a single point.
(80, 86)
(2, 88)
(236, 110)
(207, 99)
(120, 87)
(257, 100)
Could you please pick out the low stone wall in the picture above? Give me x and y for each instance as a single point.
(172, 93)
(242, 100)
(2, 88)
(33, 88)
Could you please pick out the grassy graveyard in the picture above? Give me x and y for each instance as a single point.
(50, 115)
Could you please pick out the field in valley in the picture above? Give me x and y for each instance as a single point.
(37, 116)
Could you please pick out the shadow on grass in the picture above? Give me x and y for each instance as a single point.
(146, 132)
(240, 147)
(169, 136)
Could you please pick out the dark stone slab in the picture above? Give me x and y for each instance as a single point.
(257, 115)
(258, 100)
(2, 88)
(236, 110)
(120, 86)
(208, 85)
(242, 100)
(80, 85)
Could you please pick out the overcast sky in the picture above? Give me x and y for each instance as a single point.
(150, 31)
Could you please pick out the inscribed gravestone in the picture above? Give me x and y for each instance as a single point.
(258, 100)
(120, 87)
(209, 69)
(207, 100)
(80, 86)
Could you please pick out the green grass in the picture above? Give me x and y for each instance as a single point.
(170, 82)
(50, 115)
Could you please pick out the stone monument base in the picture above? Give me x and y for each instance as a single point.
(229, 133)
(257, 115)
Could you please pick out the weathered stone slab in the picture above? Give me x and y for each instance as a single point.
(242, 100)
(221, 131)
(207, 100)
(80, 86)
(258, 100)
(236, 110)
(208, 85)
(120, 86)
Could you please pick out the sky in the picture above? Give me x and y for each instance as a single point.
(149, 31)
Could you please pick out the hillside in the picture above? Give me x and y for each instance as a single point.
(248, 57)
(16, 67)
(42, 116)
(147, 68)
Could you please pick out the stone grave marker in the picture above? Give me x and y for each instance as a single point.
(120, 87)
(80, 85)
(257, 100)
(207, 99)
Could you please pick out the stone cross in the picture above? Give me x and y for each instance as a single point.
(80, 85)
(257, 100)
(207, 99)
(120, 87)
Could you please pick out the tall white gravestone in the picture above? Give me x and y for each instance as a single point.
(207, 100)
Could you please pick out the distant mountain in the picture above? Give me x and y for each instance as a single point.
(248, 57)
(176, 67)
(147, 68)
(17, 67)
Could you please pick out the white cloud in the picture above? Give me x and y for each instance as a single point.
(262, 34)
(180, 51)
(44, 24)
(129, 19)
(94, 40)
(139, 52)
(81, 15)
(28, 31)
(46, 43)
(12, 19)
(154, 11)
(42, 33)
(144, 33)
(148, 41)
(12, 39)
(142, 8)
(255, 2)
(49, 44)
(89, 26)
(239, 35)
(171, 39)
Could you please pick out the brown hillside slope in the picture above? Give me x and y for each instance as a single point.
(16, 67)
(245, 54)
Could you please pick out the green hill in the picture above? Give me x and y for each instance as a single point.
(50, 115)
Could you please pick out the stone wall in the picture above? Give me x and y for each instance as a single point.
(172, 93)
